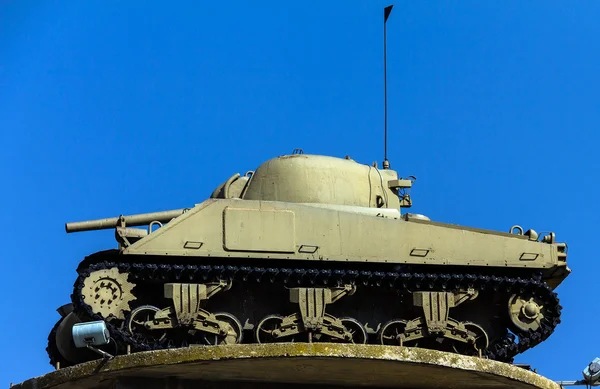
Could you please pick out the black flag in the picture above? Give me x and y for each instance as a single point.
(386, 12)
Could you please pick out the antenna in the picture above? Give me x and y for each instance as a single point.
(386, 13)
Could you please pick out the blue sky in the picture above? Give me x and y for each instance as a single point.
(111, 108)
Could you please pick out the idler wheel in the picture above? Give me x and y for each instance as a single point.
(525, 313)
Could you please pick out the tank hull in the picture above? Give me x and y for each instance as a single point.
(287, 231)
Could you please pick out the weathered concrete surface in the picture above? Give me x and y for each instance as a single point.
(316, 365)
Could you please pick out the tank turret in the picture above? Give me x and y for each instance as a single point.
(323, 181)
(307, 179)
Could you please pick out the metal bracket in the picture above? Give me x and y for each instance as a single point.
(105, 358)
(313, 301)
(186, 308)
(341, 291)
(188, 297)
(467, 295)
(127, 236)
(401, 187)
(437, 322)
(207, 322)
(436, 306)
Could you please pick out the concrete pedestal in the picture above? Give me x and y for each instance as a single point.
(299, 365)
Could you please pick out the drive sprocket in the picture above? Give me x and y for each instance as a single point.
(108, 293)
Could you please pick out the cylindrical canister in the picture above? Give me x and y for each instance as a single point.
(92, 333)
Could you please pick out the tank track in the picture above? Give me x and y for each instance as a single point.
(503, 349)
(52, 349)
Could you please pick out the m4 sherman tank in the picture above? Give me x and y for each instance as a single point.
(312, 248)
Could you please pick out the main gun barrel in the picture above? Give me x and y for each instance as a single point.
(132, 220)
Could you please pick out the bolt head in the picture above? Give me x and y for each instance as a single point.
(531, 310)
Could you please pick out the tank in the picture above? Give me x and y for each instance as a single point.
(313, 248)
